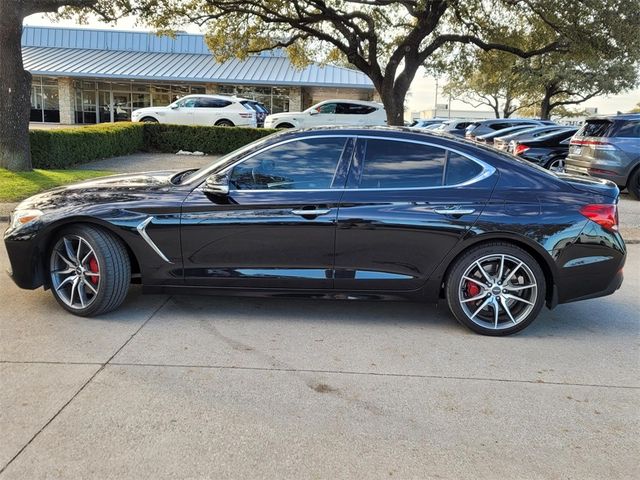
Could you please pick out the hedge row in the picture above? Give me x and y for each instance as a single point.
(62, 148)
(161, 137)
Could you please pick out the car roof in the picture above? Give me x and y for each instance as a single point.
(350, 100)
(624, 116)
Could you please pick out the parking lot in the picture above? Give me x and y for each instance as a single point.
(207, 387)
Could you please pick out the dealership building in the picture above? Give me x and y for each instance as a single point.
(93, 76)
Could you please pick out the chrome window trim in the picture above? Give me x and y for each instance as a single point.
(487, 171)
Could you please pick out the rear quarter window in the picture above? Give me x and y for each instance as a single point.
(596, 128)
(460, 169)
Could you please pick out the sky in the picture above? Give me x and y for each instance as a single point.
(422, 94)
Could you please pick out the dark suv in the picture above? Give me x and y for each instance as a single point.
(484, 127)
(608, 147)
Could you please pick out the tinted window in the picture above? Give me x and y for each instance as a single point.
(460, 169)
(302, 164)
(327, 108)
(629, 129)
(390, 164)
(596, 128)
(462, 125)
(354, 109)
(204, 102)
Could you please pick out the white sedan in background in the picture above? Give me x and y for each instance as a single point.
(331, 112)
(219, 110)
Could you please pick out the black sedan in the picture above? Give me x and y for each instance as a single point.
(548, 151)
(351, 213)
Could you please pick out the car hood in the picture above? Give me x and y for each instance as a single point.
(114, 188)
(289, 115)
(140, 111)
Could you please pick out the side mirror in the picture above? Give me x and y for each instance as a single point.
(217, 185)
(314, 112)
(175, 106)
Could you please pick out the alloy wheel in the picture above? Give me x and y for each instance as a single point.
(557, 166)
(75, 272)
(498, 291)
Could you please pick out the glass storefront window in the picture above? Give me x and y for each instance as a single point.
(114, 101)
(45, 104)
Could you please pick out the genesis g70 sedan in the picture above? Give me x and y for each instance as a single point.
(353, 213)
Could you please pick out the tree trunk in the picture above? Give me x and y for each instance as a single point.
(15, 91)
(545, 105)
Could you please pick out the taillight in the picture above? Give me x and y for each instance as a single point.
(246, 115)
(605, 215)
(520, 149)
(595, 144)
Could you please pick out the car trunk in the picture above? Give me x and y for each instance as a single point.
(592, 185)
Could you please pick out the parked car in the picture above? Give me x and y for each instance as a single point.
(609, 148)
(487, 126)
(218, 110)
(426, 122)
(549, 151)
(488, 138)
(331, 112)
(261, 111)
(340, 213)
(507, 142)
(453, 127)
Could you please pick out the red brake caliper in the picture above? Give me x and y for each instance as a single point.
(93, 267)
(472, 289)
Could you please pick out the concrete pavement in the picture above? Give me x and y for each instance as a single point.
(208, 387)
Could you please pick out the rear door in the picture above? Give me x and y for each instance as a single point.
(208, 111)
(406, 205)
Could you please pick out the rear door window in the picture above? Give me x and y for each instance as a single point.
(354, 109)
(629, 129)
(460, 169)
(203, 102)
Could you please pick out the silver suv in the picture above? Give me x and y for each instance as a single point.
(608, 147)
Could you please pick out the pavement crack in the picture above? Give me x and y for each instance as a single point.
(83, 386)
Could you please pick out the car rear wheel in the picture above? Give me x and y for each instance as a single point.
(556, 165)
(633, 185)
(224, 123)
(284, 125)
(149, 120)
(89, 270)
(496, 289)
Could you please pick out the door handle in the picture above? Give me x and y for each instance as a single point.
(454, 211)
(311, 213)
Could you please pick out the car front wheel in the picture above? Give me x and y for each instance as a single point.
(89, 270)
(496, 289)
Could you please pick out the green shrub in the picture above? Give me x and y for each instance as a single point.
(211, 140)
(64, 147)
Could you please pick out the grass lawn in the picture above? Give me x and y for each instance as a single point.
(16, 186)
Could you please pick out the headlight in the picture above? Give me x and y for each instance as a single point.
(22, 217)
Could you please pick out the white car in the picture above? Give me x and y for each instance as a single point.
(331, 112)
(219, 110)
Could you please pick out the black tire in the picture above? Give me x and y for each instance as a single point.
(284, 125)
(224, 123)
(633, 184)
(149, 120)
(112, 264)
(454, 289)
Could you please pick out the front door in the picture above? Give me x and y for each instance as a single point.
(276, 227)
(406, 205)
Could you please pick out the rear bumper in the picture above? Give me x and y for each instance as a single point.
(605, 170)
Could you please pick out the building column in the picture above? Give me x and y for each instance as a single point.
(66, 96)
(211, 89)
(295, 99)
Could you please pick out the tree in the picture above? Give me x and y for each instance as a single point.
(635, 109)
(486, 79)
(388, 40)
(15, 82)
(563, 80)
